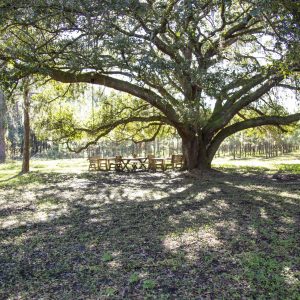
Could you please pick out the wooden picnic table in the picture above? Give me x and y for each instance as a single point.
(121, 164)
(135, 162)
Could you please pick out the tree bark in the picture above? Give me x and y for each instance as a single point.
(3, 113)
(195, 153)
(26, 143)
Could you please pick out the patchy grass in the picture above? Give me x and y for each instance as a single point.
(289, 163)
(289, 168)
(13, 168)
(69, 234)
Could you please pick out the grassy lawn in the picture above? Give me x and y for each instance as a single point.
(69, 234)
(288, 163)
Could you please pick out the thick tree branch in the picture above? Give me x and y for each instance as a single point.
(261, 114)
(251, 123)
(255, 81)
(248, 99)
(230, 110)
(117, 84)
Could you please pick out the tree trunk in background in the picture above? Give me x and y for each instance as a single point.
(26, 144)
(3, 113)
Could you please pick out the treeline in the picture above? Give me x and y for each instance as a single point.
(237, 146)
(268, 143)
(161, 147)
(15, 135)
(241, 146)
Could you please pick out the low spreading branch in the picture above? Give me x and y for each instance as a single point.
(250, 123)
(105, 129)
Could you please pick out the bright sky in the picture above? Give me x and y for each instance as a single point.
(288, 100)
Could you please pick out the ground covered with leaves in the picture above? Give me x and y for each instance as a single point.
(103, 235)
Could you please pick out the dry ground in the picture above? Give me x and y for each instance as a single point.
(67, 234)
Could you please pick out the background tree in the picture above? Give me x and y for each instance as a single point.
(26, 120)
(198, 63)
(3, 127)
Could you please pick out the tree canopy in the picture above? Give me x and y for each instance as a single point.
(199, 63)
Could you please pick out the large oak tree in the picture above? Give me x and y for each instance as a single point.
(209, 68)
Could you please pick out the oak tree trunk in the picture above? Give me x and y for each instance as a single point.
(195, 154)
(26, 144)
(3, 113)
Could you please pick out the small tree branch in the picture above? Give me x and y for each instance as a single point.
(152, 138)
(113, 125)
(105, 129)
(290, 87)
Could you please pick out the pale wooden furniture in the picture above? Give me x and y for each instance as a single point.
(116, 163)
(156, 163)
(120, 163)
(176, 161)
(151, 165)
(93, 163)
(133, 163)
(103, 164)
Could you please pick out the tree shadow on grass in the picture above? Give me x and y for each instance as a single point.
(154, 236)
(10, 178)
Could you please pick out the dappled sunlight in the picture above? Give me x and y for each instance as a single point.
(222, 205)
(263, 213)
(201, 237)
(192, 242)
(214, 190)
(288, 220)
(290, 197)
(200, 196)
(43, 212)
(103, 231)
(265, 193)
(252, 230)
(290, 277)
(116, 261)
(98, 216)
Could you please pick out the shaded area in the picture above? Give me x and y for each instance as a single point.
(156, 236)
(10, 178)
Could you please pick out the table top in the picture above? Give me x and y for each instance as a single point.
(123, 158)
(133, 158)
(161, 158)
